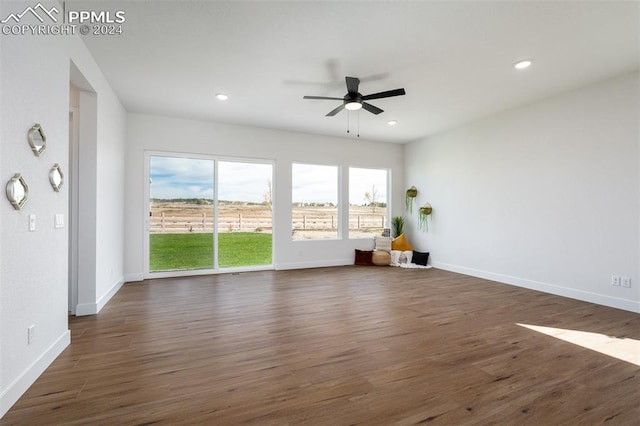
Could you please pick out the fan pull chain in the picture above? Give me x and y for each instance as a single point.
(348, 115)
(358, 123)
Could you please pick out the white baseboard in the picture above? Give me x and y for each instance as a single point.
(94, 308)
(134, 277)
(585, 296)
(109, 294)
(19, 386)
(314, 264)
(86, 309)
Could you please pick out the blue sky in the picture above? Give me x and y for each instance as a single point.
(193, 178)
(181, 177)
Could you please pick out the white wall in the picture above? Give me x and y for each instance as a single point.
(35, 72)
(546, 196)
(2, 174)
(177, 135)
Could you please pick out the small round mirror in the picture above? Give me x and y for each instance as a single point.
(56, 177)
(17, 191)
(37, 140)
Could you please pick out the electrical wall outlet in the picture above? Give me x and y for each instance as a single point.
(32, 222)
(626, 282)
(30, 334)
(615, 280)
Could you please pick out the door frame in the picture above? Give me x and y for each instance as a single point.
(74, 139)
(147, 214)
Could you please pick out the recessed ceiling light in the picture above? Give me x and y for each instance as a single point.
(222, 96)
(522, 64)
(392, 122)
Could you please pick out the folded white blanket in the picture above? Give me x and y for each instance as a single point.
(403, 260)
(414, 266)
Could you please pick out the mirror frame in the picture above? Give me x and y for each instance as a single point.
(30, 136)
(56, 169)
(17, 179)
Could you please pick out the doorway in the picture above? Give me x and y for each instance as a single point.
(245, 214)
(207, 214)
(180, 213)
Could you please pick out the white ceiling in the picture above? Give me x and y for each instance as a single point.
(454, 58)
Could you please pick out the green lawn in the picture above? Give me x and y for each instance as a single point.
(195, 251)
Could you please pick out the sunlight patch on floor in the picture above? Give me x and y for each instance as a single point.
(624, 348)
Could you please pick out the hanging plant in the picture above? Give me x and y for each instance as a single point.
(410, 198)
(423, 214)
(397, 225)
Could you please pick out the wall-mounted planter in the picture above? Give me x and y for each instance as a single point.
(423, 217)
(410, 198)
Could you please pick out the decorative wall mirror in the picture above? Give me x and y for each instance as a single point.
(37, 140)
(56, 177)
(17, 191)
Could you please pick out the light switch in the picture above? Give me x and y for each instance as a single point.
(59, 221)
(32, 222)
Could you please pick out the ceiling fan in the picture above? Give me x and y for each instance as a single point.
(354, 100)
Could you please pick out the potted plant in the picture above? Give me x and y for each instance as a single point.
(397, 226)
(410, 198)
(423, 214)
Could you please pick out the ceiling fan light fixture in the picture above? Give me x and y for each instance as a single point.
(520, 65)
(353, 100)
(353, 105)
(222, 96)
(392, 122)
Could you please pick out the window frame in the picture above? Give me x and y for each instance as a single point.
(387, 218)
(339, 197)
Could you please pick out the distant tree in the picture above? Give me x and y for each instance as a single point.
(371, 198)
(267, 197)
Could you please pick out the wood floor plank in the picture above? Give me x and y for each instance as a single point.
(335, 346)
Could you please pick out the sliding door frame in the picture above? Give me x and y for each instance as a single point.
(147, 214)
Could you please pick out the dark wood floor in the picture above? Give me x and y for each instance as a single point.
(335, 346)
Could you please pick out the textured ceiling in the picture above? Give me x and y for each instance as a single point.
(453, 58)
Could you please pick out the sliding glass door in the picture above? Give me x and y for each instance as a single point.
(245, 224)
(181, 213)
(208, 214)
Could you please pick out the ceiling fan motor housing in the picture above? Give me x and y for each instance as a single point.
(354, 100)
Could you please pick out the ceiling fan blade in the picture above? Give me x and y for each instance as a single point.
(335, 111)
(352, 84)
(321, 97)
(371, 108)
(387, 94)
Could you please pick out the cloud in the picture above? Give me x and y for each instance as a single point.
(364, 180)
(181, 177)
(243, 181)
(237, 181)
(314, 184)
(193, 178)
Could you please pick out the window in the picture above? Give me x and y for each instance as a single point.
(367, 202)
(314, 195)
